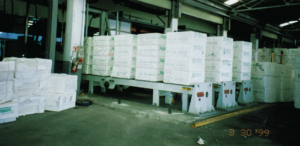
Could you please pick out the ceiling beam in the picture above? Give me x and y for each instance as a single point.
(268, 7)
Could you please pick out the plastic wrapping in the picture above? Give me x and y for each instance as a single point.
(183, 77)
(218, 66)
(125, 40)
(151, 51)
(186, 37)
(151, 39)
(88, 60)
(103, 51)
(9, 111)
(61, 83)
(219, 48)
(101, 70)
(6, 91)
(31, 105)
(87, 69)
(186, 51)
(184, 64)
(103, 60)
(264, 55)
(260, 81)
(241, 76)
(241, 66)
(266, 68)
(7, 71)
(123, 72)
(125, 61)
(286, 71)
(267, 95)
(59, 102)
(31, 87)
(217, 77)
(103, 41)
(242, 51)
(149, 74)
(150, 62)
(125, 51)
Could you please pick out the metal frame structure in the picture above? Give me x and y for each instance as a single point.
(244, 92)
(225, 93)
(201, 92)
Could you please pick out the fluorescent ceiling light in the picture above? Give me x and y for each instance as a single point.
(292, 22)
(30, 24)
(283, 24)
(30, 21)
(230, 2)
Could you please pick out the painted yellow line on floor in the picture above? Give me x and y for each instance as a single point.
(222, 117)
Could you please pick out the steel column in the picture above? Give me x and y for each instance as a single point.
(255, 43)
(51, 31)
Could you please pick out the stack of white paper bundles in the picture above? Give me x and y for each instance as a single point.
(150, 57)
(219, 57)
(242, 59)
(124, 56)
(297, 82)
(103, 55)
(8, 110)
(88, 55)
(277, 55)
(62, 92)
(185, 58)
(264, 55)
(291, 55)
(31, 84)
(286, 83)
(265, 81)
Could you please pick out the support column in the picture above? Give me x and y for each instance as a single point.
(255, 43)
(184, 98)
(155, 97)
(74, 35)
(173, 16)
(51, 31)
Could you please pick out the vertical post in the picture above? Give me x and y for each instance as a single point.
(91, 86)
(218, 30)
(51, 31)
(184, 98)
(224, 33)
(117, 24)
(87, 20)
(155, 97)
(254, 42)
(102, 23)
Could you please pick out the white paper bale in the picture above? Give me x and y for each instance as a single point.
(6, 91)
(264, 55)
(103, 41)
(218, 66)
(297, 87)
(186, 37)
(59, 102)
(150, 62)
(88, 50)
(184, 50)
(123, 72)
(242, 51)
(80, 52)
(31, 87)
(151, 51)
(124, 61)
(286, 95)
(103, 60)
(297, 75)
(125, 40)
(184, 64)
(277, 59)
(266, 68)
(125, 51)
(151, 39)
(7, 71)
(219, 54)
(88, 41)
(241, 76)
(286, 71)
(297, 62)
(9, 111)
(267, 95)
(101, 70)
(149, 74)
(88, 60)
(260, 81)
(278, 51)
(293, 52)
(241, 66)
(31, 105)
(285, 83)
(218, 77)
(103, 51)
(183, 77)
(61, 83)
(87, 69)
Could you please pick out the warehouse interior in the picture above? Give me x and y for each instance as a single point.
(149, 72)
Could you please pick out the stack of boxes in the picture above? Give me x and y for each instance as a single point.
(264, 55)
(124, 56)
(88, 56)
(297, 82)
(150, 57)
(286, 84)
(103, 55)
(62, 92)
(265, 81)
(291, 55)
(185, 58)
(9, 111)
(31, 84)
(219, 57)
(277, 55)
(241, 68)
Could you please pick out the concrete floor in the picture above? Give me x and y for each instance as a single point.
(100, 125)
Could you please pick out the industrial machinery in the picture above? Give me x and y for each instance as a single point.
(224, 94)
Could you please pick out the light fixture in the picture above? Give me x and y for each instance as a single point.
(230, 2)
(30, 21)
(292, 22)
(30, 24)
(283, 24)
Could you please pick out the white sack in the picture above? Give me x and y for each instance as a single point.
(61, 83)
(31, 105)
(31, 87)
(59, 102)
